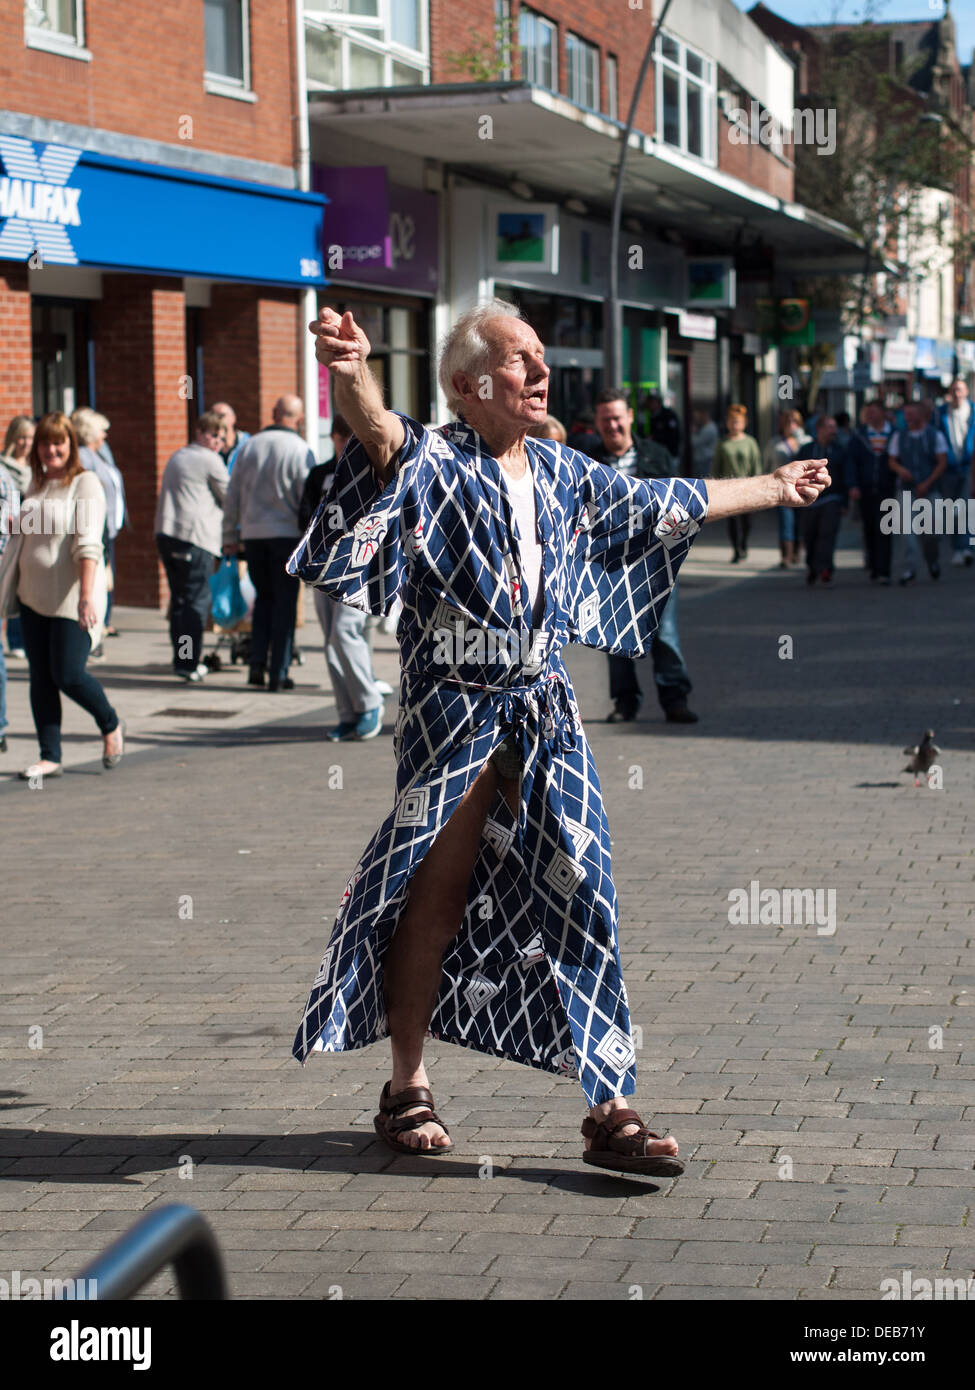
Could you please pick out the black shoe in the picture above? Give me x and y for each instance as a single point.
(969, 558)
(3, 743)
(735, 559)
(810, 576)
(908, 577)
(934, 570)
(622, 714)
(679, 713)
(256, 676)
(286, 684)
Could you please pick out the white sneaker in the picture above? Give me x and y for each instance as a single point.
(384, 687)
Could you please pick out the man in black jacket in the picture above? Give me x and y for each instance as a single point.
(872, 482)
(642, 458)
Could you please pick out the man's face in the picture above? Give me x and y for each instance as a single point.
(957, 393)
(914, 417)
(516, 392)
(735, 424)
(210, 439)
(614, 421)
(826, 432)
(875, 417)
(339, 442)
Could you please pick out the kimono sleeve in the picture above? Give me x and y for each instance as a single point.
(353, 547)
(631, 539)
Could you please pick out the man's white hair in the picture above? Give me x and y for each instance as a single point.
(465, 348)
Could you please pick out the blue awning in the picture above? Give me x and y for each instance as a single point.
(76, 207)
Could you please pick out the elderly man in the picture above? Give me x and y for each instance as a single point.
(483, 910)
(260, 517)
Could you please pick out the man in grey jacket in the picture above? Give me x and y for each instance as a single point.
(188, 535)
(261, 518)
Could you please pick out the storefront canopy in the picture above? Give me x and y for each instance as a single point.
(67, 206)
(514, 130)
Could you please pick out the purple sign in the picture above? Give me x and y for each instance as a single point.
(379, 233)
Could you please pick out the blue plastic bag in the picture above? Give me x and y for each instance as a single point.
(227, 603)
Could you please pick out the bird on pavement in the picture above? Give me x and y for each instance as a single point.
(923, 756)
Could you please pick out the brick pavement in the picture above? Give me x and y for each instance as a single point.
(767, 1049)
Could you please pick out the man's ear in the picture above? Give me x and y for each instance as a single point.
(465, 385)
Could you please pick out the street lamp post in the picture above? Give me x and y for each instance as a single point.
(613, 316)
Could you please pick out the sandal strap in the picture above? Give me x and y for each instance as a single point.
(602, 1133)
(402, 1123)
(403, 1100)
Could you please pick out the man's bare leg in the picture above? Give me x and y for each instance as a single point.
(414, 961)
(433, 917)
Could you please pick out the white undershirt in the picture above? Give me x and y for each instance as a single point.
(521, 494)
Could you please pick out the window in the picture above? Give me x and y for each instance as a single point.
(538, 40)
(583, 63)
(612, 91)
(57, 25)
(227, 62)
(366, 43)
(502, 37)
(686, 98)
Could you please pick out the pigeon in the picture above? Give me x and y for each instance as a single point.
(923, 756)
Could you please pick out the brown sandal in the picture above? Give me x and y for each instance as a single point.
(626, 1153)
(391, 1121)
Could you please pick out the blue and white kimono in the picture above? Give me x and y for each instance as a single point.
(534, 973)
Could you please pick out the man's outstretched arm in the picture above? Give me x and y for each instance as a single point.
(793, 485)
(343, 347)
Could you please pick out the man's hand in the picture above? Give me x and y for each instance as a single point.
(340, 343)
(922, 488)
(801, 482)
(233, 550)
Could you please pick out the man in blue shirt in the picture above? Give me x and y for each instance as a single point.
(956, 421)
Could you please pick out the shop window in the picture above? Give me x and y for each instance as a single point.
(583, 63)
(538, 40)
(226, 26)
(57, 25)
(351, 44)
(400, 349)
(686, 98)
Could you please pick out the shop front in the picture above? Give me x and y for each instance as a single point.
(147, 291)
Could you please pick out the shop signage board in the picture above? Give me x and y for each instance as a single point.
(62, 205)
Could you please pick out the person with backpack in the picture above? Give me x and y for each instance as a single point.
(956, 421)
(918, 455)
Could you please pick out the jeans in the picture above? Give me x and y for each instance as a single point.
(876, 543)
(276, 605)
(110, 564)
(15, 638)
(911, 552)
(820, 527)
(3, 691)
(57, 649)
(188, 570)
(787, 525)
(669, 671)
(348, 657)
(955, 485)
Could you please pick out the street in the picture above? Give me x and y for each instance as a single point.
(163, 924)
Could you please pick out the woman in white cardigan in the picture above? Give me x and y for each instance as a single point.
(61, 592)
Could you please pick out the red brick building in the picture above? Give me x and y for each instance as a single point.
(170, 272)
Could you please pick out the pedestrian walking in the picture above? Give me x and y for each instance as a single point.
(92, 431)
(642, 458)
(188, 529)
(704, 442)
(60, 585)
(872, 483)
(821, 519)
(232, 440)
(497, 796)
(783, 448)
(738, 456)
(358, 695)
(956, 421)
(261, 516)
(918, 455)
(9, 506)
(15, 462)
(664, 428)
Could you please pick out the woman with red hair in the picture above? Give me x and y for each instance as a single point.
(61, 592)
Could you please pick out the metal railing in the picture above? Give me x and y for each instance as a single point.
(176, 1235)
